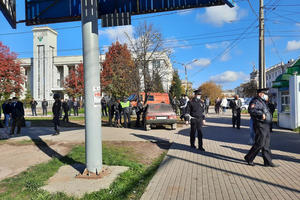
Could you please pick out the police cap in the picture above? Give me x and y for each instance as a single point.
(263, 90)
(197, 92)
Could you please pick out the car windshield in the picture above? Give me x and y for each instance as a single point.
(161, 107)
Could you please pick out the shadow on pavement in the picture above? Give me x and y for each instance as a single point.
(280, 140)
(274, 156)
(184, 147)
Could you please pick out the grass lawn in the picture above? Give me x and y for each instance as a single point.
(129, 185)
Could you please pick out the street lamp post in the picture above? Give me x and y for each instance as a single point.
(185, 71)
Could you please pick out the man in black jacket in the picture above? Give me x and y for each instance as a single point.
(17, 114)
(65, 107)
(196, 111)
(33, 104)
(56, 110)
(44, 106)
(261, 116)
(236, 106)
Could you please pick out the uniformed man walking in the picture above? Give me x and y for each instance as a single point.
(195, 110)
(236, 106)
(261, 116)
(56, 110)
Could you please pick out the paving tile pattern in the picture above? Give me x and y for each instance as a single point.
(221, 172)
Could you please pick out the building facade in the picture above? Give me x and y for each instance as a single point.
(46, 72)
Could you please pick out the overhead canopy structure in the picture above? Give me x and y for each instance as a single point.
(282, 81)
(53, 11)
(8, 8)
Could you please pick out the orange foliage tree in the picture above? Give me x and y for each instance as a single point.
(212, 90)
(11, 77)
(74, 83)
(118, 71)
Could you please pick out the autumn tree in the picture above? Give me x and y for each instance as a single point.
(11, 77)
(74, 82)
(175, 89)
(149, 52)
(118, 71)
(211, 90)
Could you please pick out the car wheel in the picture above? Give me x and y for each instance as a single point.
(173, 126)
(147, 127)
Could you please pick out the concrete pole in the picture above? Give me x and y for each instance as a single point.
(186, 89)
(93, 143)
(262, 70)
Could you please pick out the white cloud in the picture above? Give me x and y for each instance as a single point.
(228, 77)
(185, 12)
(174, 43)
(201, 62)
(218, 15)
(225, 57)
(217, 45)
(117, 33)
(293, 45)
(298, 24)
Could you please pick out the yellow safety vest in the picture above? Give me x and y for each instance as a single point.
(125, 105)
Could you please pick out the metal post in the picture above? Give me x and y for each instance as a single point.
(262, 70)
(93, 143)
(186, 89)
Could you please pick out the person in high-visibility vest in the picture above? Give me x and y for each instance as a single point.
(126, 109)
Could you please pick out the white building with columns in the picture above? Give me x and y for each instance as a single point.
(45, 72)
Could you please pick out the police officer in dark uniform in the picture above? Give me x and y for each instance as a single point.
(195, 110)
(261, 116)
(56, 110)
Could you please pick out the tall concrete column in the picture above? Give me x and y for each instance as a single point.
(93, 143)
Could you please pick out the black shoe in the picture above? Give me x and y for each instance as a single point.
(249, 162)
(271, 165)
(193, 146)
(238, 128)
(233, 126)
(201, 149)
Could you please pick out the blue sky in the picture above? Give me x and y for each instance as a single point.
(223, 40)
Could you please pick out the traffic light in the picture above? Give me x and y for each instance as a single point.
(116, 19)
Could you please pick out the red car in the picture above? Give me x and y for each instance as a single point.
(159, 114)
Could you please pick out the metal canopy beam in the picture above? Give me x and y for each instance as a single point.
(8, 8)
(53, 11)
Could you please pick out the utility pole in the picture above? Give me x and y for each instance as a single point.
(93, 142)
(186, 89)
(262, 69)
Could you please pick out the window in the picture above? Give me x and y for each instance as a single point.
(150, 98)
(285, 102)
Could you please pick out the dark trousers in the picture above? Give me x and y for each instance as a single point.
(262, 142)
(196, 125)
(44, 111)
(16, 122)
(110, 116)
(182, 113)
(33, 110)
(236, 119)
(104, 111)
(56, 123)
(138, 119)
(206, 109)
(75, 111)
(217, 109)
(126, 119)
(66, 116)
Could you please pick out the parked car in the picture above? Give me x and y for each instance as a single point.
(159, 114)
(246, 103)
(153, 98)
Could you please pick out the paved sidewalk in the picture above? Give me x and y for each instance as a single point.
(221, 172)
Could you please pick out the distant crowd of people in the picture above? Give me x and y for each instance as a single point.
(118, 109)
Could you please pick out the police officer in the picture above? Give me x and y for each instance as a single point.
(195, 110)
(126, 109)
(261, 116)
(56, 110)
(236, 106)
